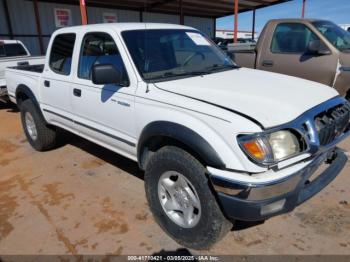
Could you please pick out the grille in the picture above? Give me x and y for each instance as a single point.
(332, 123)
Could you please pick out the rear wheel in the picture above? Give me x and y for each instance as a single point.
(181, 201)
(38, 133)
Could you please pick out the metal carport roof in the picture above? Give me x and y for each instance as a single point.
(202, 8)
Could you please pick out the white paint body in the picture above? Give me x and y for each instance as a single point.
(272, 99)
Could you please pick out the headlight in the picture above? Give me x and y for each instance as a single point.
(270, 148)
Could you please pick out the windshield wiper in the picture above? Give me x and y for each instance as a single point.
(207, 71)
(220, 67)
(193, 73)
(174, 74)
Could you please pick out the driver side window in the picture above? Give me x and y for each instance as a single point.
(291, 38)
(99, 48)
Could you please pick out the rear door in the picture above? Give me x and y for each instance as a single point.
(286, 52)
(56, 81)
(104, 114)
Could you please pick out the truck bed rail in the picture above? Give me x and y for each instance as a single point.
(30, 68)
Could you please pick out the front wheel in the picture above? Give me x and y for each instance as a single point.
(181, 201)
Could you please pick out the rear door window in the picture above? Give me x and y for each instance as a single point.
(61, 53)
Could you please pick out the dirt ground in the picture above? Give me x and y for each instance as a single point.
(83, 199)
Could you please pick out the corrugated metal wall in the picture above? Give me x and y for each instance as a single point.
(205, 25)
(23, 20)
(47, 18)
(23, 23)
(95, 15)
(160, 18)
(3, 24)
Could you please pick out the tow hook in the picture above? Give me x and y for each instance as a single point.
(331, 157)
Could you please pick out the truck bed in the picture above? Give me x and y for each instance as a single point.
(27, 75)
(20, 58)
(26, 63)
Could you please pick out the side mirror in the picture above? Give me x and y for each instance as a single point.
(315, 48)
(231, 55)
(105, 74)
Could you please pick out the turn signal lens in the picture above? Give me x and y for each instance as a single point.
(257, 148)
(254, 149)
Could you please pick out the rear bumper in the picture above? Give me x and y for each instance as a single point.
(254, 202)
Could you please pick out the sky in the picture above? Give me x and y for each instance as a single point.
(337, 11)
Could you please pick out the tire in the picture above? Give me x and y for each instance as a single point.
(347, 96)
(45, 138)
(211, 225)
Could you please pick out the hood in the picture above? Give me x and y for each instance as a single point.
(270, 98)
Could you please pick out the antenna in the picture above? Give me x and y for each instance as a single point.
(145, 43)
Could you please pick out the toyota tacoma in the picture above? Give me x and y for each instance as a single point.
(217, 142)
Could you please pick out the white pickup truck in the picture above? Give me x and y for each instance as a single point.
(217, 142)
(14, 53)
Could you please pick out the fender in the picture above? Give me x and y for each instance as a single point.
(26, 91)
(184, 135)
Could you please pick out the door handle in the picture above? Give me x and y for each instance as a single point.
(77, 92)
(267, 63)
(47, 83)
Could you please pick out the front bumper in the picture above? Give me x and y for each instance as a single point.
(259, 201)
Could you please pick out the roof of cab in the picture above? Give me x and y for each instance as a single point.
(119, 27)
(309, 20)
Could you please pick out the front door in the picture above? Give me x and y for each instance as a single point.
(104, 114)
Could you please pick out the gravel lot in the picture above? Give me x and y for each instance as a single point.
(83, 199)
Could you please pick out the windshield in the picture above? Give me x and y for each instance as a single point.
(163, 54)
(334, 34)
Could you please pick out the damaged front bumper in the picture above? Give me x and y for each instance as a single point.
(255, 201)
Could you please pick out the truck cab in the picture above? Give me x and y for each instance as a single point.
(312, 49)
